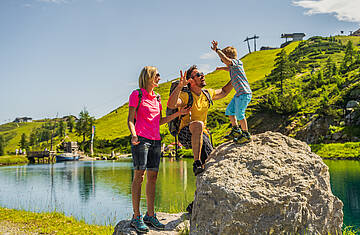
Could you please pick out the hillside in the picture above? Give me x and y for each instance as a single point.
(323, 79)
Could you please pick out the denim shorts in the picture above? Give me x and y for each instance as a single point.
(238, 105)
(185, 140)
(146, 155)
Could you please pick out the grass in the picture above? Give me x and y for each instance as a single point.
(49, 223)
(349, 150)
(12, 133)
(13, 159)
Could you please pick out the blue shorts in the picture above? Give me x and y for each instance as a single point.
(146, 155)
(237, 106)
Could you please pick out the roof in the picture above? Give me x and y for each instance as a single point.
(356, 33)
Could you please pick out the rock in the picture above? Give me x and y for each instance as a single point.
(352, 104)
(272, 185)
(173, 224)
(337, 135)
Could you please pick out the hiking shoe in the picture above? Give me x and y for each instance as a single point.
(138, 224)
(197, 169)
(153, 221)
(244, 138)
(234, 133)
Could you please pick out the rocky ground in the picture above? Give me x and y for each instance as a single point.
(174, 224)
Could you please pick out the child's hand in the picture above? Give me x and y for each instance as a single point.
(183, 82)
(214, 45)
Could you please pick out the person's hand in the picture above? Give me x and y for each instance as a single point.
(135, 140)
(184, 110)
(214, 45)
(183, 81)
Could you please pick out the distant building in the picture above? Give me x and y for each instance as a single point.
(294, 36)
(71, 147)
(22, 119)
(356, 33)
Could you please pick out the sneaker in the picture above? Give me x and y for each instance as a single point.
(234, 133)
(138, 224)
(153, 221)
(244, 138)
(197, 169)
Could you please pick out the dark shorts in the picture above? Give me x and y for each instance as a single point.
(146, 155)
(185, 140)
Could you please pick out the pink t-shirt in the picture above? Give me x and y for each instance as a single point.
(148, 115)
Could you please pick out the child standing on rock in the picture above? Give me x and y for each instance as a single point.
(236, 108)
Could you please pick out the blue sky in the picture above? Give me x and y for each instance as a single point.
(59, 56)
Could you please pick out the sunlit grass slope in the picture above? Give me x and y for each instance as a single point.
(12, 133)
(257, 65)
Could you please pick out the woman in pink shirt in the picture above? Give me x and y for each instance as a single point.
(145, 107)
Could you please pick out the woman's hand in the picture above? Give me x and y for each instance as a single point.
(184, 110)
(183, 81)
(135, 140)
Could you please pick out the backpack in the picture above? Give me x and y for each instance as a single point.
(174, 124)
(140, 97)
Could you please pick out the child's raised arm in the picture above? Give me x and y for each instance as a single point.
(222, 56)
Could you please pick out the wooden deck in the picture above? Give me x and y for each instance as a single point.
(41, 156)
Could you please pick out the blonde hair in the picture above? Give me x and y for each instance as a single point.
(230, 52)
(146, 74)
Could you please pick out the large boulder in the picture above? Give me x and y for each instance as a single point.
(272, 185)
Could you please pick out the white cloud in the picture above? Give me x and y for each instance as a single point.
(205, 68)
(209, 55)
(344, 10)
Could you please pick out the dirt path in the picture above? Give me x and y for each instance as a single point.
(8, 228)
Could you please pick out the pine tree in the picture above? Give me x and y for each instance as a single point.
(348, 58)
(62, 128)
(282, 68)
(23, 142)
(71, 123)
(84, 125)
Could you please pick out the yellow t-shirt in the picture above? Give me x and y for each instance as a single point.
(199, 109)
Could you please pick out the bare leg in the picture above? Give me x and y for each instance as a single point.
(136, 191)
(196, 129)
(150, 191)
(243, 124)
(233, 120)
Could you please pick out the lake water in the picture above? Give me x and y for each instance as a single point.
(100, 192)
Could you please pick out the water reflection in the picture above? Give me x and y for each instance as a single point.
(98, 192)
(345, 184)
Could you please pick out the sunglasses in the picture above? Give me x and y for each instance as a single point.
(199, 75)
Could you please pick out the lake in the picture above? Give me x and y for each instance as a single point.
(100, 191)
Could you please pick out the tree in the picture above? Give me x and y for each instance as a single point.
(348, 58)
(329, 69)
(84, 124)
(23, 142)
(283, 68)
(71, 123)
(33, 138)
(2, 145)
(62, 128)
